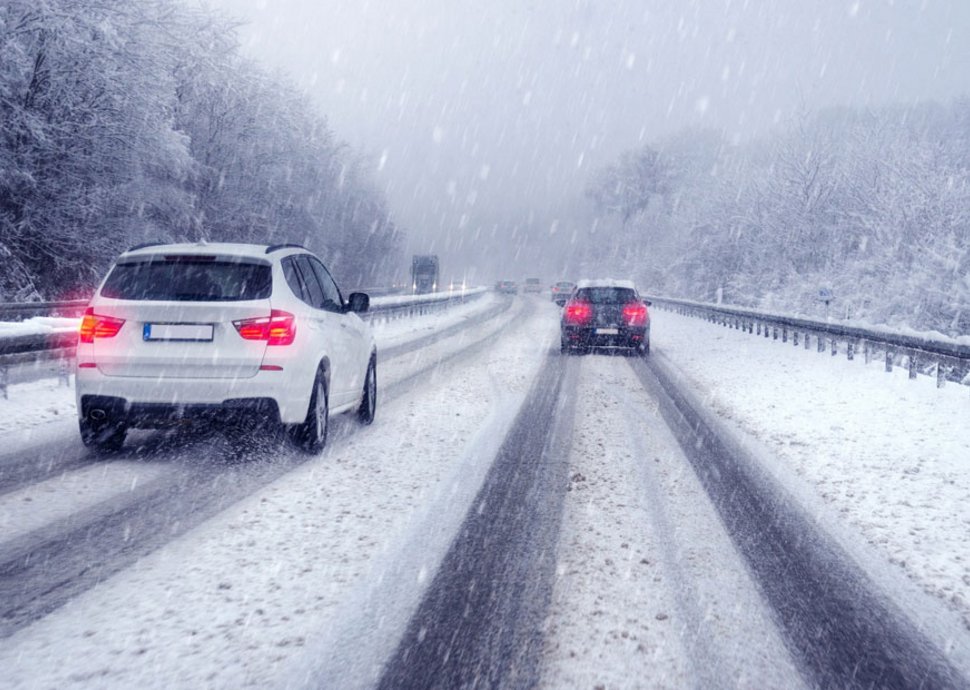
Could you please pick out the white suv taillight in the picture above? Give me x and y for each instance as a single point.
(279, 328)
(98, 326)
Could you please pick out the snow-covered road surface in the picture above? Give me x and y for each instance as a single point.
(229, 601)
(650, 591)
(308, 571)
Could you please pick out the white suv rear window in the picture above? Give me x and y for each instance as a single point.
(189, 279)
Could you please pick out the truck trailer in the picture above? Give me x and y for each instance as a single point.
(424, 273)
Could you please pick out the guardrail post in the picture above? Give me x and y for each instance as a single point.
(835, 347)
(889, 360)
(63, 372)
(867, 351)
(850, 350)
(940, 374)
(912, 365)
(808, 340)
(794, 338)
(821, 343)
(3, 382)
(784, 334)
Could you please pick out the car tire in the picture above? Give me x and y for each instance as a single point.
(645, 348)
(368, 402)
(311, 435)
(105, 438)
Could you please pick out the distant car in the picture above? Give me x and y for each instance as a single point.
(507, 287)
(532, 285)
(252, 336)
(607, 314)
(561, 291)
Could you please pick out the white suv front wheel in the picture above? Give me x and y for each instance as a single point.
(368, 402)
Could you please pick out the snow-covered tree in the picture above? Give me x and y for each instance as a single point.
(123, 121)
(871, 205)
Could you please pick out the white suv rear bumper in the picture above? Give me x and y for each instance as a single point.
(292, 400)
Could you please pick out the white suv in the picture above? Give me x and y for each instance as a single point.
(236, 334)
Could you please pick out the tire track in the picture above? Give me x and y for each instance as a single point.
(480, 622)
(836, 625)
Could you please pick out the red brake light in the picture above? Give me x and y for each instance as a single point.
(98, 326)
(635, 314)
(279, 328)
(578, 312)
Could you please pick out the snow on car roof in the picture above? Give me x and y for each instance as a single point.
(606, 283)
(225, 248)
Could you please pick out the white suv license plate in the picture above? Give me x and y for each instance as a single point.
(607, 331)
(181, 332)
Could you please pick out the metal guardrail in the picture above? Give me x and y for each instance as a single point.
(25, 310)
(21, 349)
(947, 360)
(418, 305)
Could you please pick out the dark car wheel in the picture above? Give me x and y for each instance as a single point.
(103, 438)
(311, 435)
(368, 403)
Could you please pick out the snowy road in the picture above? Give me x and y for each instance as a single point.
(513, 518)
(72, 519)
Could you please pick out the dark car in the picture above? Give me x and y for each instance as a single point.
(507, 287)
(605, 314)
(561, 291)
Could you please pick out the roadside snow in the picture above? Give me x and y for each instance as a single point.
(39, 325)
(36, 403)
(396, 331)
(889, 456)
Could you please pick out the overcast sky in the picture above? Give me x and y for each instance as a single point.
(484, 119)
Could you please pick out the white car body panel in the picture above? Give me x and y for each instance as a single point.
(228, 367)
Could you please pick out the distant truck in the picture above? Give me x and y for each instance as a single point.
(424, 273)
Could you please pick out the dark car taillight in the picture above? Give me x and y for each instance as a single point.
(635, 314)
(578, 313)
(98, 326)
(279, 328)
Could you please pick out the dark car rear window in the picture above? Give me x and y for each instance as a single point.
(607, 295)
(189, 280)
